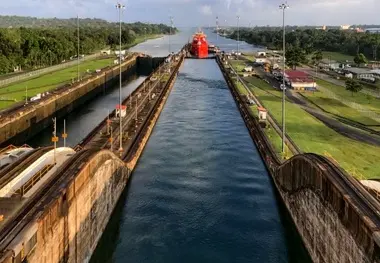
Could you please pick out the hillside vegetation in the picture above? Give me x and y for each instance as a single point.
(32, 43)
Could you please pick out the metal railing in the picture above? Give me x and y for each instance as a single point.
(34, 180)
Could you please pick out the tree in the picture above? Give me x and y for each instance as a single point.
(360, 59)
(294, 57)
(353, 86)
(43, 42)
(317, 57)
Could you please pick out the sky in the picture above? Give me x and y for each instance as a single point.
(204, 12)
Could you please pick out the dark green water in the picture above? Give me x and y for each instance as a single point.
(200, 192)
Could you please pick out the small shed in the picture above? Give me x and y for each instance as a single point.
(299, 80)
(361, 73)
(262, 113)
(121, 110)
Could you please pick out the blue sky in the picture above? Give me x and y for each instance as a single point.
(203, 12)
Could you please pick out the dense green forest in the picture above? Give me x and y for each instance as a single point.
(25, 21)
(35, 47)
(308, 41)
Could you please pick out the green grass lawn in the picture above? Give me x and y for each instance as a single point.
(336, 107)
(371, 104)
(48, 81)
(249, 57)
(311, 135)
(238, 65)
(337, 56)
(272, 135)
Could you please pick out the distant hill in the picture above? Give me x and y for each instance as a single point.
(25, 21)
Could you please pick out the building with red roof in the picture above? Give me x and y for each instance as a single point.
(299, 80)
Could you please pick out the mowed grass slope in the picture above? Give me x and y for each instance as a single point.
(337, 56)
(336, 107)
(364, 100)
(311, 135)
(48, 81)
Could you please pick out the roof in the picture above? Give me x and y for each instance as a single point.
(359, 70)
(375, 71)
(297, 76)
(261, 109)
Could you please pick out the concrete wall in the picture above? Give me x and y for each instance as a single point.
(146, 65)
(336, 217)
(70, 228)
(73, 216)
(18, 126)
(333, 225)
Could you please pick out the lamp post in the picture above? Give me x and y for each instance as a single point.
(217, 29)
(78, 46)
(238, 35)
(145, 40)
(120, 7)
(283, 7)
(170, 33)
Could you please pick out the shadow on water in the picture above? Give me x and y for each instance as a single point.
(111, 235)
(297, 252)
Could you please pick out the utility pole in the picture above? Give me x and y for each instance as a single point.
(170, 34)
(26, 94)
(238, 36)
(55, 138)
(217, 29)
(120, 7)
(145, 39)
(78, 47)
(64, 135)
(136, 109)
(111, 140)
(283, 7)
(108, 122)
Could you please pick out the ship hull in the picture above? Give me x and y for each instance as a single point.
(199, 52)
(199, 46)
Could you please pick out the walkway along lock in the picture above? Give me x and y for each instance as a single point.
(332, 211)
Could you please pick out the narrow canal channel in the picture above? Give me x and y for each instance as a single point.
(200, 192)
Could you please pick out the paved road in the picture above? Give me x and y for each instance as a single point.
(330, 122)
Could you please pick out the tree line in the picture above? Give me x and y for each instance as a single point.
(31, 48)
(307, 41)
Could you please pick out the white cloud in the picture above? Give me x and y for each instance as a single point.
(197, 12)
(206, 10)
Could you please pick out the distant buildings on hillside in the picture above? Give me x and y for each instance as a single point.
(321, 28)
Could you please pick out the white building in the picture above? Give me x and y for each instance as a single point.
(327, 64)
(376, 73)
(122, 52)
(261, 54)
(345, 27)
(361, 73)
